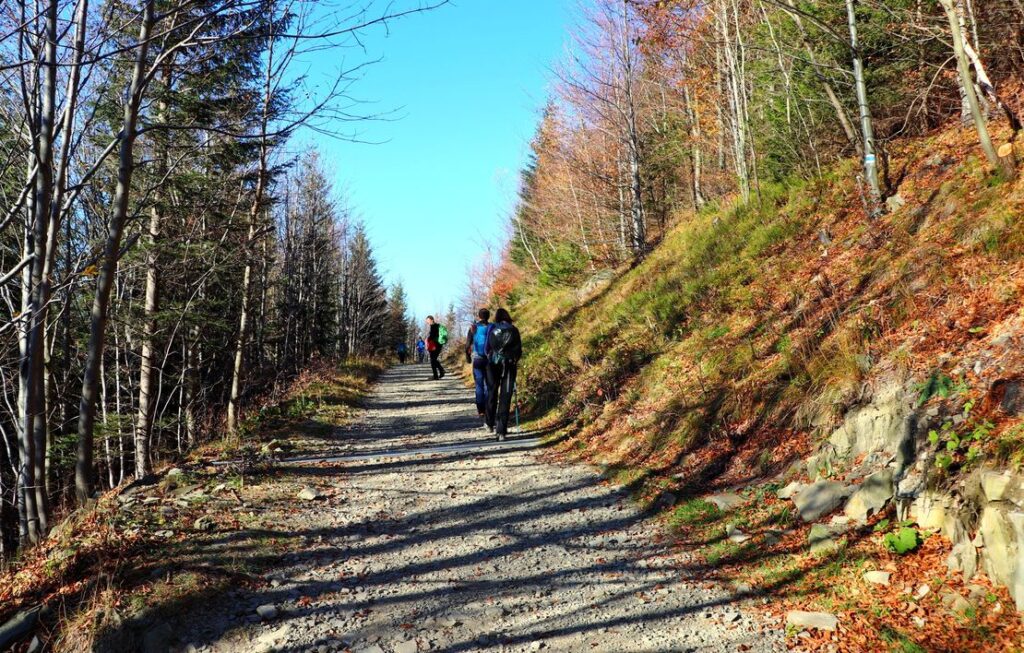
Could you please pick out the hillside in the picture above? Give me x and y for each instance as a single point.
(757, 335)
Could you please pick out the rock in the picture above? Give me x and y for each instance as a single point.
(922, 591)
(667, 500)
(870, 497)
(790, 490)
(167, 512)
(267, 611)
(819, 499)
(372, 648)
(536, 646)
(995, 484)
(158, 639)
(880, 426)
(813, 620)
(735, 535)
(204, 523)
(895, 203)
(877, 577)
(820, 539)
(726, 501)
(959, 605)
(1012, 399)
(408, 646)
(174, 471)
(309, 494)
(35, 646)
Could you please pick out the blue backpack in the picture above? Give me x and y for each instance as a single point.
(480, 339)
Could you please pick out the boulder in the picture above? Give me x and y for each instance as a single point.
(812, 620)
(819, 499)
(790, 490)
(820, 539)
(726, 501)
(870, 497)
(309, 494)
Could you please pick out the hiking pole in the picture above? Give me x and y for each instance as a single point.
(515, 402)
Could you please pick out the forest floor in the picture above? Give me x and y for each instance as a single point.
(409, 529)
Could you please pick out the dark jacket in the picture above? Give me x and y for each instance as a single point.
(433, 337)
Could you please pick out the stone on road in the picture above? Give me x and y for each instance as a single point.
(431, 537)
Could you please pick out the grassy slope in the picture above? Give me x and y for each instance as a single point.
(743, 338)
(107, 573)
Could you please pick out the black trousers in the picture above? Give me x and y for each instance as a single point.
(435, 364)
(501, 382)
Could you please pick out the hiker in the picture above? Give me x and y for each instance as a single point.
(437, 336)
(504, 348)
(421, 349)
(476, 355)
(402, 351)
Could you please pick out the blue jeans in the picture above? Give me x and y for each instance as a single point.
(480, 379)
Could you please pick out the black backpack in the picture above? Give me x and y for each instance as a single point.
(506, 345)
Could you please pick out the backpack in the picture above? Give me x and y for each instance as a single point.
(442, 334)
(506, 345)
(480, 338)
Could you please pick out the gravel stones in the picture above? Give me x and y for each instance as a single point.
(433, 538)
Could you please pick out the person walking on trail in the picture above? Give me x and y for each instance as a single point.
(403, 350)
(437, 337)
(504, 349)
(421, 350)
(476, 355)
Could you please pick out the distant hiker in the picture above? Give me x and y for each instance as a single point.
(476, 354)
(421, 349)
(403, 350)
(436, 339)
(504, 348)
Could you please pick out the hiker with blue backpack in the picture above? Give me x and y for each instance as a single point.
(504, 349)
(476, 355)
(437, 337)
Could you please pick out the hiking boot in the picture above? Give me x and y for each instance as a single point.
(501, 437)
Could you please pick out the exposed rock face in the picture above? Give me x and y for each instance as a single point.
(884, 425)
(871, 496)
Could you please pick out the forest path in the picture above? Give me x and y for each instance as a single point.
(429, 536)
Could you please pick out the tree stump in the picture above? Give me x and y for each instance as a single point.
(1007, 160)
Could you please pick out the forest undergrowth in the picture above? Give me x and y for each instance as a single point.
(736, 346)
(113, 568)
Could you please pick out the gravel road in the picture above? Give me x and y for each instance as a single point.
(428, 536)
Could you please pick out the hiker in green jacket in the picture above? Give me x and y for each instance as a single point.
(437, 336)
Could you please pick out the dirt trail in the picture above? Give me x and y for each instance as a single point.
(430, 537)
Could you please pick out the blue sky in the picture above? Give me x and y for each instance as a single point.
(469, 80)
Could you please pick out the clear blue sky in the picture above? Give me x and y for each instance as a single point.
(469, 80)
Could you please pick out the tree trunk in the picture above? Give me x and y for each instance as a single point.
(108, 263)
(967, 85)
(866, 126)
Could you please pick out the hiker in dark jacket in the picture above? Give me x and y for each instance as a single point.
(504, 349)
(434, 346)
(476, 355)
